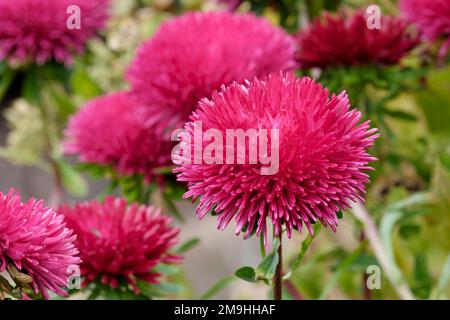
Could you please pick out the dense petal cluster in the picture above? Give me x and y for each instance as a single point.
(110, 130)
(194, 54)
(322, 155)
(431, 17)
(121, 242)
(35, 239)
(37, 30)
(345, 40)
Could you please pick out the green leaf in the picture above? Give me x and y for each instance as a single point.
(387, 224)
(62, 101)
(435, 101)
(158, 290)
(172, 207)
(217, 287)
(72, 180)
(443, 281)
(303, 249)
(409, 230)
(422, 277)
(167, 270)
(94, 293)
(31, 87)
(398, 114)
(6, 79)
(188, 245)
(342, 267)
(247, 274)
(83, 85)
(266, 269)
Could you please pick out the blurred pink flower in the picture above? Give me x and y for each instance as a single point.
(36, 30)
(121, 242)
(110, 130)
(345, 40)
(431, 17)
(192, 55)
(322, 156)
(35, 239)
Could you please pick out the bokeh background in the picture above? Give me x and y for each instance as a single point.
(412, 178)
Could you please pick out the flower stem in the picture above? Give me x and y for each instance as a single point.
(278, 280)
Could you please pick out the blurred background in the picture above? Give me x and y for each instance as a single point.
(409, 198)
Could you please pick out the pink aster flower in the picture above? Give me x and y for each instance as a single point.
(192, 55)
(431, 17)
(35, 239)
(121, 242)
(345, 40)
(322, 156)
(109, 130)
(37, 30)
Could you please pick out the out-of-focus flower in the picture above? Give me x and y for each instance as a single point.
(37, 30)
(35, 241)
(192, 55)
(110, 130)
(346, 40)
(322, 156)
(121, 242)
(431, 17)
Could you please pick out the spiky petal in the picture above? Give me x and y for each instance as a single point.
(194, 54)
(35, 239)
(37, 31)
(431, 17)
(322, 156)
(110, 130)
(118, 241)
(346, 40)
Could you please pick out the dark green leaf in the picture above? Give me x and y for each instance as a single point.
(266, 269)
(247, 274)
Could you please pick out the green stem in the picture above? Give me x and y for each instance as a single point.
(262, 247)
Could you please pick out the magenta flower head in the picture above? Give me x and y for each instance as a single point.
(35, 240)
(42, 30)
(346, 40)
(194, 54)
(311, 139)
(121, 242)
(110, 130)
(432, 19)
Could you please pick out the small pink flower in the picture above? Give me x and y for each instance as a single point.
(194, 54)
(345, 40)
(36, 30)
(35, 239)
(110, 130)
(432, 19)
(322, 156)
(121, 242)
